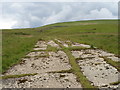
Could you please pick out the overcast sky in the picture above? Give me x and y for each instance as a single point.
(29, 15)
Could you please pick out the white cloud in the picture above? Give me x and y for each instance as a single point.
(22, 24)
(60, 16)
(59, 0)
(27, 15)
(103, 14)
(7, 23)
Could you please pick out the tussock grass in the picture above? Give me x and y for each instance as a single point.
(27, 57)
(115, 83)
(75, 48)
(37, 50)
(17, 76)
(62, 71)
(77, 59)
(50, 48)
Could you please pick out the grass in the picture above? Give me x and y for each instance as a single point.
(62, 71)
(50, 48)
(77, 59)
(37, 50)
(17, 47)
(41, 56)
(16, 43)
(115, 83)
(17, 76)
(27, 57)
(75, 48)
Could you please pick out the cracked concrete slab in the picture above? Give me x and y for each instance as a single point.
(53, 44)
(63, 43)
(94, 53)
(35, 54)
(45, 80)
(80, 45)
(40, 45)
(55, 62)
(96, 68)
(93, 66)
(98, 71)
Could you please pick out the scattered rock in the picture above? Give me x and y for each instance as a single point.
(62, 42)
(80, 45)
(94, 73)
(43, 81)
(41, 45)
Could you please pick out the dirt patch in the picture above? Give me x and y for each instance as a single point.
(26, 36)
(88, 23)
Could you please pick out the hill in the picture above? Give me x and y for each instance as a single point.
(100, 33)
(66, 50)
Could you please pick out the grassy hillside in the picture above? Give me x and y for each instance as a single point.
(18, 42)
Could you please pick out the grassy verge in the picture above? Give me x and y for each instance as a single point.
(76, 69)
(17, 76)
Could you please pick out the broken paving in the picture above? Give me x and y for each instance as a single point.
(95, 68)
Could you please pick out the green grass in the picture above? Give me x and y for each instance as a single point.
(50, 48)
(37, 50)
(115, 83)
(16, 43)
(15, 46)
(17, 76)
(62, 71)
(76, 48)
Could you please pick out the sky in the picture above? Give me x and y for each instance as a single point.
(36, 14)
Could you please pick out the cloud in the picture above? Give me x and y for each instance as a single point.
(60, 16)
(29, 15)
(7, 23)
(59, 1)
(102, 13)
